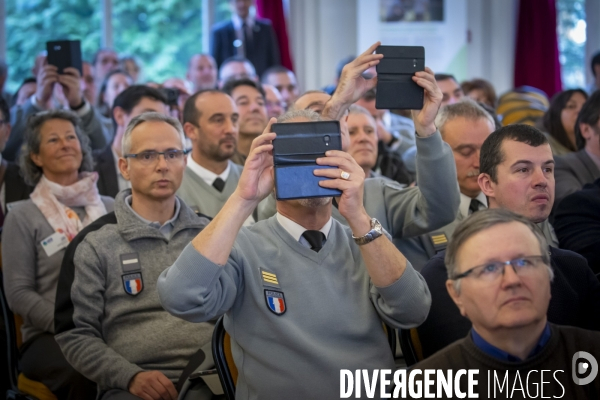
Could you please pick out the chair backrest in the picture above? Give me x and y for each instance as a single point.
(221, 349)
(411, 346)
(12, 349)
(228, 373)
(391, 337)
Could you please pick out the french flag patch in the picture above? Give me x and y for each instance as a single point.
(275, 301)
(133, 283)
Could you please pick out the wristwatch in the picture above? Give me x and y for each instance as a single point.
(374, 233)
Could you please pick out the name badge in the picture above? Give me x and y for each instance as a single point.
(55, 243)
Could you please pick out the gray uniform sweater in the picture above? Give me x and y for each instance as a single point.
(332, 312)
(412, 211)
(30, 276)
(117, 334)
(204, 198)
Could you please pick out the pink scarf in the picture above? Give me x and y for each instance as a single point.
(54, 201)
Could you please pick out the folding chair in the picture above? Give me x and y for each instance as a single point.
(221, 349)
(411, 346)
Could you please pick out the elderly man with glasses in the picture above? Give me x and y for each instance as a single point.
(505, 292)
(120, 336)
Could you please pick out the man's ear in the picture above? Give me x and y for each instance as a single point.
(455, 297)
(586, 131)
(123, 168)
(486, 184)
(190, 131)
(119, 116)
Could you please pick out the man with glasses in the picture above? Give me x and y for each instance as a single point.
(121, 338)
(504, 290)
(517, 174)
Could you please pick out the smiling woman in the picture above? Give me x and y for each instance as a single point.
(56, 160)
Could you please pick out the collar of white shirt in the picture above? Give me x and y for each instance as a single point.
(296, 230)
(206, 175)
(465, 202)
(237, 21)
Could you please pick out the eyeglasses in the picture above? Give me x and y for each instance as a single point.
(151, 157)
(491, 271)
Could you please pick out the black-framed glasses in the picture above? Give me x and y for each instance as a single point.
(151, 157)
(493, 270)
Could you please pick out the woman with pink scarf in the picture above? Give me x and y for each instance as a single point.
(56, 159)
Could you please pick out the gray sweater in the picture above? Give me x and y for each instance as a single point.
(30, 276)
(117, 334)
(412, 211)
(204, 198)
(332, 317)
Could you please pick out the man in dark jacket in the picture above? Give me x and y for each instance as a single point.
(577, 223)
(245, 36)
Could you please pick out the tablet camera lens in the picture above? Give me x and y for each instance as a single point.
(326, 139)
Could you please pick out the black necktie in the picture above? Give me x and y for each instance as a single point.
(247, 38)
(474, 205)
(219, 184)
(315, 239)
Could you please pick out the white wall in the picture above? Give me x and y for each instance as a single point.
(491, 51)
(322, 32)
(592, 44)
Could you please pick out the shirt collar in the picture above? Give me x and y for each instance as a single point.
(495, 352)
(465, 202)
(296, 230)
(155, 224)
(206, 175)
(237, 21)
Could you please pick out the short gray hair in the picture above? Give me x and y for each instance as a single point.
(32, 142)
(150, 116)
(294, 114)
(483, 220)
(465, 108)
(355, 109)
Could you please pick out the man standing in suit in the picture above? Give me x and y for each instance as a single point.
(210, 121)
(246, 36)
(130, 103)
(574, 170)
(464, 126)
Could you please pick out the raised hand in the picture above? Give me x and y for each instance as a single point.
(352, 85)
(256, 181)
(424, 118)
(70, 80)
(349, 177)
(46, 78)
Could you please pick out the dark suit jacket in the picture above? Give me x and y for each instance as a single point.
(264, 52)
(15, 187)
(104, 164)
(577, 223)
(572, 171)
(575, 300)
